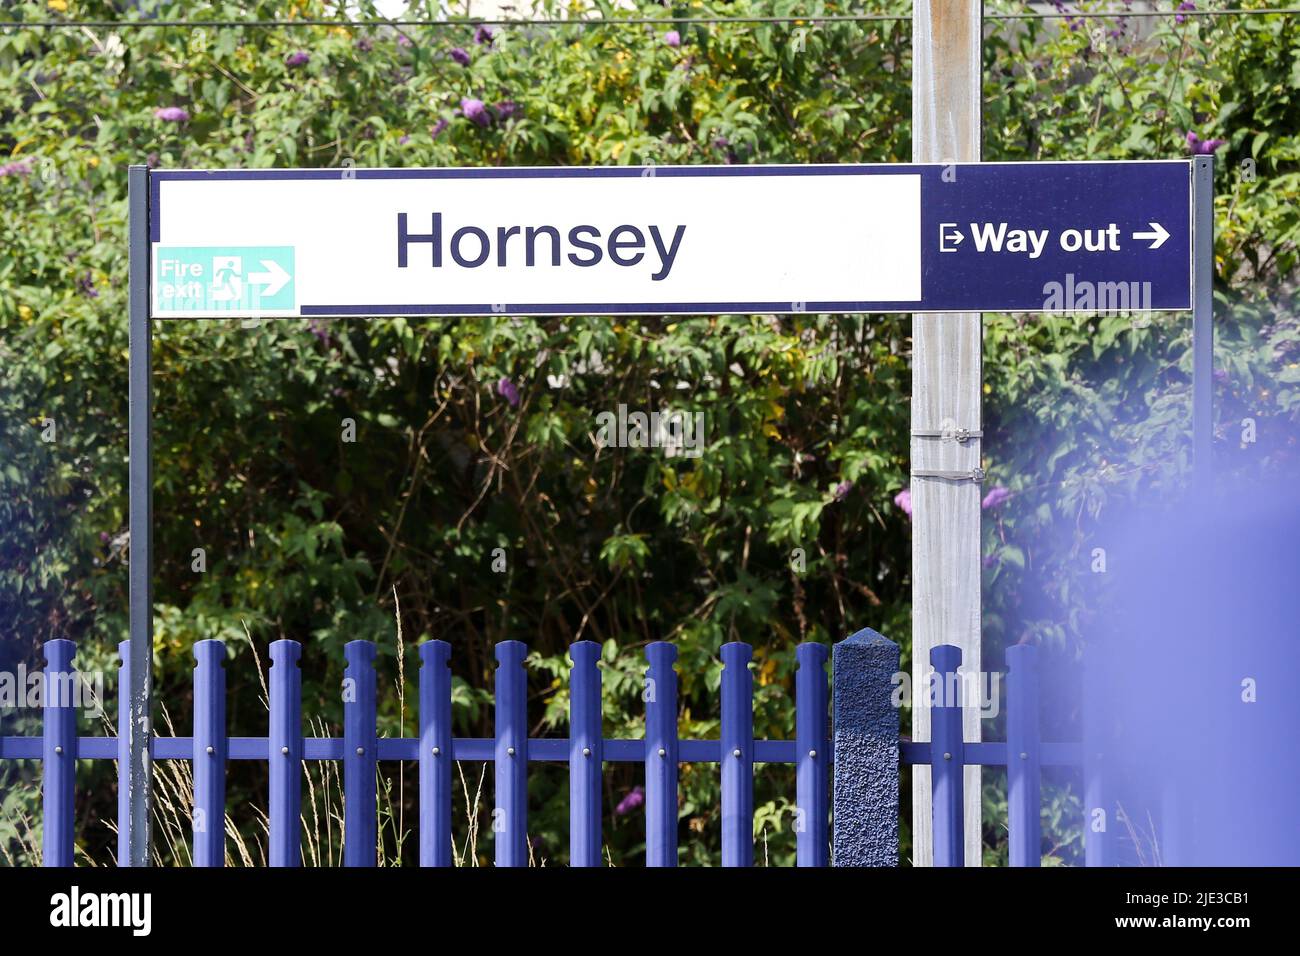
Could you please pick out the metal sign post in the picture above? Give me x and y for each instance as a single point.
(932, 238)
(1203, 321)
(136, 776)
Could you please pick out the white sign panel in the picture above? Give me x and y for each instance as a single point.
(538, 241)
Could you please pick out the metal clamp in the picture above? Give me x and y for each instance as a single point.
(961, 435)
(975, 474)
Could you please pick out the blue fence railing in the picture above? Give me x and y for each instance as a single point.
(435, 750)
(867, 755)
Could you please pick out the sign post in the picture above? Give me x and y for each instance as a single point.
(942, 239)
(136, 778)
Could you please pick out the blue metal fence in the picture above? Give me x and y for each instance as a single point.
(867, 766)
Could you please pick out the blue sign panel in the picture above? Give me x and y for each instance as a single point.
(1089, 237)
(1057, 237)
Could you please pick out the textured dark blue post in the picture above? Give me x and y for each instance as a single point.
(811, 756)
(737, 756)
(661, 755)
(209, 820)
(123, 754)
(586, 751)
(947, 756)
(284, 755)
(510, 817)
(59, 752)
(1024, 800)
(436, 763)
(1097, 822)
(866, 750)
(360, 743)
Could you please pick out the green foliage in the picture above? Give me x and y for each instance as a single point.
(309, 536)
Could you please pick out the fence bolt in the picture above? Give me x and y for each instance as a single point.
(58, 750)
(947, 756)
(285, 751)
(1024, 756)
(736, 752)
(510, 751)
(360, 751)
(211, 750)
(586, 751)
(662, 752)
(813, 754)
(436, 751)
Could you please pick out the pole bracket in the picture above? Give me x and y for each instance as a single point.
(975, 474)
(961, 435)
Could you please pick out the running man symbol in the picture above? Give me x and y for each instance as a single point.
(227, 286)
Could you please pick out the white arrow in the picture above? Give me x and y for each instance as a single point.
(274, 279)
(1160, 234)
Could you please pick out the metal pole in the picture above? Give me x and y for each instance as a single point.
(947, 66)
(1203, 320)
(136, 776)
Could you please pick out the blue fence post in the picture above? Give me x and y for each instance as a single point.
(1097, 823)
(947, 756)
(436, 762)
(586, 752)
(209, 820)
(1024, 800)
(812, 761)
(123, 754)
(660, 697)
(360, 743)
(510, 816)
(59, 753)
(737, 756)
(284, 743)
(866, 750)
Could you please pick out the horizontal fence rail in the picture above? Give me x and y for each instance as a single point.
(865, 753)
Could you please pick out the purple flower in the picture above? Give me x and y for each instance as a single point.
(87, 284)
(1185, 5)
(635, 798)
(842, 490)
(320, 329)
(483, 35)
(104, 536)
(436, 129)
(474, 111)
(506, 389)
(171, 114)
(403, 140)
(990, 560)
(297, 58)
(506, 109)
(904, 501)
(997, 494)
(19, 167)
(153, 160)
(365, 44)
(403, 40)
(673, 38)
(1202, 147)
(460, 56)
(1221, 376)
